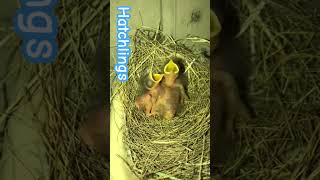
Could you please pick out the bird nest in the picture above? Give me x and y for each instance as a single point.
(178, 148)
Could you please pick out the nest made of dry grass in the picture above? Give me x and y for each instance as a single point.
(282, 142)
(65, 87)
(68, 86)
(178, 148)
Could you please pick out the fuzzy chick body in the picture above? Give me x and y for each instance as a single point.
(148, 100)
(166, 96)
(170, 97)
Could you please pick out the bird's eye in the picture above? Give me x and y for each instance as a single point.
(149, 84)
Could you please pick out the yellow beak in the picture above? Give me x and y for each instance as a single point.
(156, 78)
(215, 26)
(171, 67)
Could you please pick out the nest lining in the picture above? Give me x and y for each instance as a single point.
(175, 149)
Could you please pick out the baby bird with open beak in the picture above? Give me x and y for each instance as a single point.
(149, 98)
(171, 93)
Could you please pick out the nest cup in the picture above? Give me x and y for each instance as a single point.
(177, 148)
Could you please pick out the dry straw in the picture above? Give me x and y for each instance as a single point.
(68, 85)
(65, 86)
(283, 141)
(178, 148)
